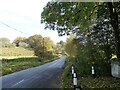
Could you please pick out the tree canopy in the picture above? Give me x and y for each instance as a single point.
(82, 17)
(70, 46)
(42, 46)
(19, 40)
(5, 42)
(96, 28)
(66, 17)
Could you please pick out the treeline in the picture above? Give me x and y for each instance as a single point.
(95, 26)
(43, 47)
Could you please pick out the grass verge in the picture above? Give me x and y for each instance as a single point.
(102, 83)
(12, 65)
(66, 79)
(88, 82)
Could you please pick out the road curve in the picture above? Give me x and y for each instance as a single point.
(43, 76)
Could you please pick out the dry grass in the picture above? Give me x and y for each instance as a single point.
(99, 82)
(16, 52)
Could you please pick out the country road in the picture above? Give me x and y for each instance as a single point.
(43, 76)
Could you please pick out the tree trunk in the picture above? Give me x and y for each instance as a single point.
(114, 23)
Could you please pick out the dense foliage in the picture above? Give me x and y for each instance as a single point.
(96, 26)
(19, 41)
(88, 82)
(70, 47)
(43, 47)
(5, 42)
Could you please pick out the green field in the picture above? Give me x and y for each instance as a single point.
(16, 59)
(15, 52)
(17, 64)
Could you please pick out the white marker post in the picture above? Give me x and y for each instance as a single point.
(93, 71)
(74, 76)
(74, 80)
(72, 71)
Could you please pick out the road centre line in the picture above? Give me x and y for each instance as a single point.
(18, 82)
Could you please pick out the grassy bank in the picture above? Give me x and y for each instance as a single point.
(15, 57)
(17, 64)
(16, 51)
(99, 82)
(88, 82)
(66, 76)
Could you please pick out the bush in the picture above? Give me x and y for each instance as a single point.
(84, 67)
(103, 69)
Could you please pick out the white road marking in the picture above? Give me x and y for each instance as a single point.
(18, 83)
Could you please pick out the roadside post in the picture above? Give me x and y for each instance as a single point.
(72, 70)
(75, 80)
(93, 70)
(74, 76)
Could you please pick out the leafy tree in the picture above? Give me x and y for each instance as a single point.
(5, 42)
(66, 17)
(34, 41)
(103, 36)
(114, 14)
(48, 43)
(18, 40)
(96, 25)
(59, 47)
(70, 46)
(41, 46)
(76, 17)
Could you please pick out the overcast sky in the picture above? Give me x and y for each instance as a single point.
(24, 16)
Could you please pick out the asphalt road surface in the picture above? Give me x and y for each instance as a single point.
(43, 76)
